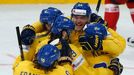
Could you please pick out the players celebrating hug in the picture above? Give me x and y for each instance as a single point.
(77, 47)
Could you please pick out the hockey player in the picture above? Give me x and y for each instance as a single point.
(81, 20)
(42, 28)
(81, 15)
(47, 17)
(45, 58)
(30, 54)
(48, 61)
(31, 35)
(112, 11)
(80, 66)
(94, 48)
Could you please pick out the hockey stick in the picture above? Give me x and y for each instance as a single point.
(19, 42)
(98, 6)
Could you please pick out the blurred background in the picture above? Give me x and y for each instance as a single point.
(46, 1)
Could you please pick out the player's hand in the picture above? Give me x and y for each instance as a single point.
(96, 18)
(28, 35)
(66, 52)
(116, 66)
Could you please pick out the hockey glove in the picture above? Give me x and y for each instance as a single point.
(116, 66)
(98, 19)
(66, 52)
(90, 43)
(28, 35)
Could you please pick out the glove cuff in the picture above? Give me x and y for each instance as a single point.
(115, 69)
(29, 27)
(65, 59)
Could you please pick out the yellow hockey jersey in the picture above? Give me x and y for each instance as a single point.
(18, 59)
(32, 48)
(29, 68)
(29, 55)
(40, 35)
(38, 27)
(81, 66)
(112, 46)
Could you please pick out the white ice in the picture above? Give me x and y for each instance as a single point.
(20, 15)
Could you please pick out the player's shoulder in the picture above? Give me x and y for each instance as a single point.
(42, 43)
(27, 68)
(25, 63)
(37, 22)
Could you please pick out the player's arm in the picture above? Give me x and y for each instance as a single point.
(114, 68)
(80, 65)
(38, 42)
(38, 26)
(96, 18)
(114, 44)
(100, 71)
(119, 37)
(65, 59)
(27, 68)
(29, 32)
